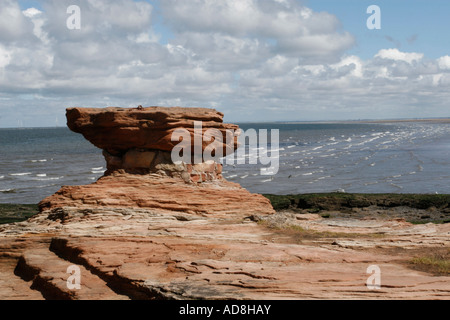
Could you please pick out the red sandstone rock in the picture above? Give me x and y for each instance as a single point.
(160, 254)
(118, 130)
(159, 192)
(137, 148)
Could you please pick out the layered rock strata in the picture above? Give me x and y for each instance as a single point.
(117, 130)
(137, 145)
(128, 253)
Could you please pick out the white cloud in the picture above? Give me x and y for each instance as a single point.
(396, 55)
(286, 26)
(444, 62)
(14, 25)
(253, 60)
(38, 21)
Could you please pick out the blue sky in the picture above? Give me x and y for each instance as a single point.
(254, 60)
(402, 20)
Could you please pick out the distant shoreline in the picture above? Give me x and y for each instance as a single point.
(432, 120)
(446, 120)
(368, 121)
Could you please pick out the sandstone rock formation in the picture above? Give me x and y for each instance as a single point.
(117, 130)
(137, 145)
(122, 190)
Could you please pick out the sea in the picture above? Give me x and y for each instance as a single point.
(401, 157)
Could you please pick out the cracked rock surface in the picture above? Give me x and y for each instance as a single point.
(132, 253)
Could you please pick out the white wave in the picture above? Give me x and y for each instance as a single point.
(99, 171)
(1, 177)
(20, 174)
(268, 180)
(233, 176)
(243, 177)
(41, 175)
(8, 190)
(43, 160)
(46, 185)
(48, 179)
(96, 169)
(373, 139)
(308, 174)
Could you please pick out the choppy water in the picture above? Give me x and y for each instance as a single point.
(35, 163)
(367, 158)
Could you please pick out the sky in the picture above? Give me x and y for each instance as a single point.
(253, 60)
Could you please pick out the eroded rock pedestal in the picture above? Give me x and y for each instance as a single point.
(137, 145)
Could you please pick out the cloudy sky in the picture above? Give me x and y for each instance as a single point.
(254, 60)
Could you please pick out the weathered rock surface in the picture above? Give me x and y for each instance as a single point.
(137, 147)
(160, 254)
(118, 130)
(154, 191)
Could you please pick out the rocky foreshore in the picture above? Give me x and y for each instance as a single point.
(155, 229)
(132, 253)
